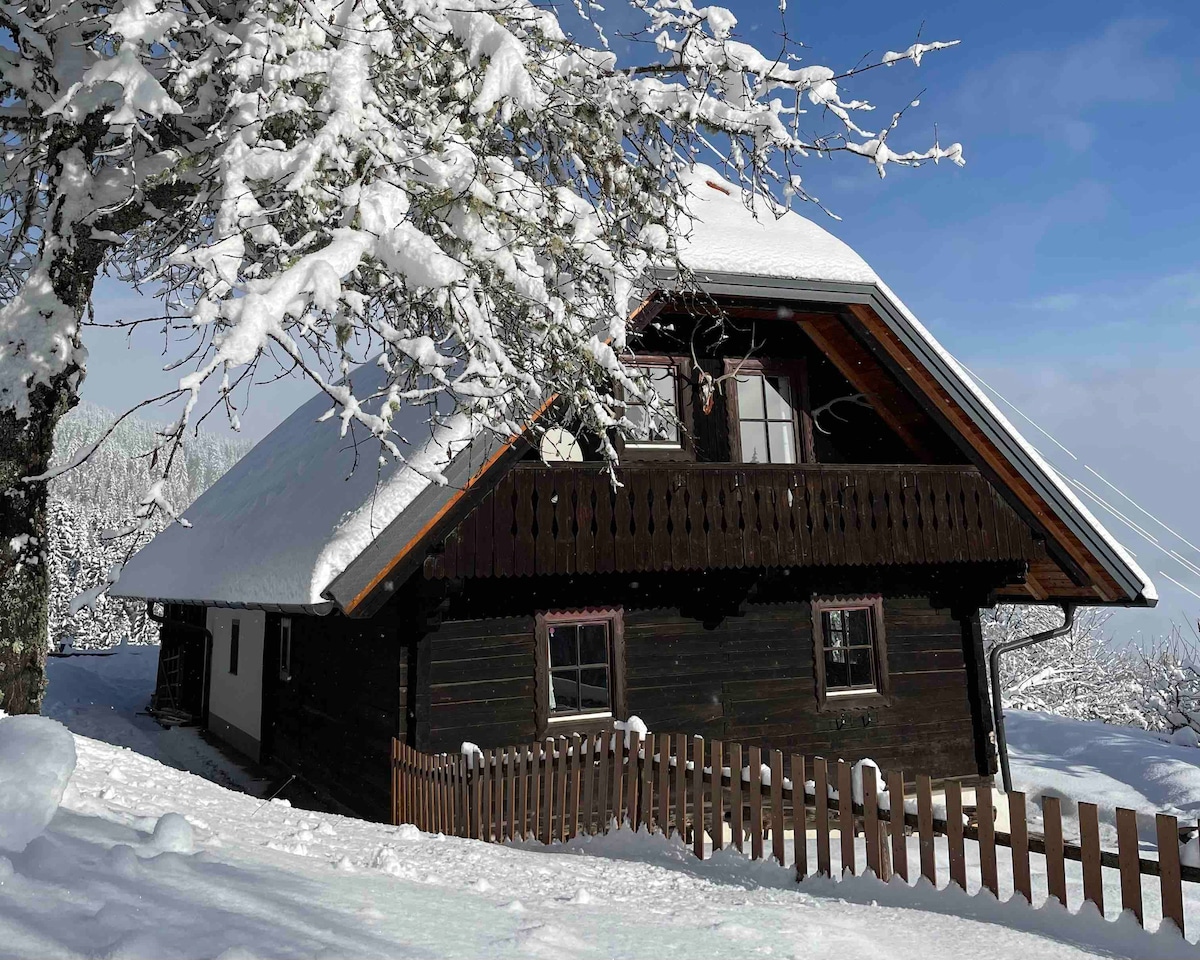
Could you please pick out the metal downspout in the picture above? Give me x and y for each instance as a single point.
(994, 655)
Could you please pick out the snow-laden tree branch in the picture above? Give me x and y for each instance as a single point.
(460, 187)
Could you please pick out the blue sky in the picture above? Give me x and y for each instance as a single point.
(1062, 264)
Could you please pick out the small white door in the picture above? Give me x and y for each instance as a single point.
(235, 677)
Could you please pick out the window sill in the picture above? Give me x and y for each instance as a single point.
(580, 717)
(852, 699)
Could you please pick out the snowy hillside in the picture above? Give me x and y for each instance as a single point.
(394, 892)
(119, 874)
(101, 495)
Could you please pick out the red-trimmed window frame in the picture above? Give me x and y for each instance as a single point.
(548, 723)
(851, 697)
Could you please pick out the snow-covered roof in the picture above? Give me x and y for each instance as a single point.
(293, 515)
(725, 236)
(289, 516)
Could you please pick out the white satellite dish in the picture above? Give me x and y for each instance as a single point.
(560, 446)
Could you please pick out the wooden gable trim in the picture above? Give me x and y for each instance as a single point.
(473, 485)
(1102, 583)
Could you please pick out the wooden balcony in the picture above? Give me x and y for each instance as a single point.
(567, 519)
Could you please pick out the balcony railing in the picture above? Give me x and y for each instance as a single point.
(567, 519)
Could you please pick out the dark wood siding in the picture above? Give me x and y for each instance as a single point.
(333, 721)
(481, 683)
(750, 678)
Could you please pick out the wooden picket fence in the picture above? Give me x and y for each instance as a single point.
(689, 787)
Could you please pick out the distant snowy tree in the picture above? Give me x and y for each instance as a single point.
(1081, 675)
(1086, 675)
(459, 185)
(98, 497)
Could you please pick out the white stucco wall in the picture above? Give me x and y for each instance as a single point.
(237, 699)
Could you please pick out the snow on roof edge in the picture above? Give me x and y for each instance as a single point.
(1148, 590)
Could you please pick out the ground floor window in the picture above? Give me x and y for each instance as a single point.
(848, 643)
(579, 665)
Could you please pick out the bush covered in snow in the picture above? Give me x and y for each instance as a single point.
(1085, 675)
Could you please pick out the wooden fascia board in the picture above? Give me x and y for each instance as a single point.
(361, 598)
(1106, 587)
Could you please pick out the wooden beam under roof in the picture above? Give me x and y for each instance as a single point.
(854, 362)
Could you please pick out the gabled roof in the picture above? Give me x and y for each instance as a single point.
(294, 526)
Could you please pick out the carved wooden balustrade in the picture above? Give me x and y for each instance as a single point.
(569, 518)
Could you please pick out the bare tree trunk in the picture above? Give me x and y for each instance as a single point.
(25, 449)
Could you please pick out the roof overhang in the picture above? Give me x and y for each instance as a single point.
(1135, 588)
(309, 609)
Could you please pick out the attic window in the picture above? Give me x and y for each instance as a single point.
(664, 380)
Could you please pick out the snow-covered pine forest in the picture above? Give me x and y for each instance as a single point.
(99, 496)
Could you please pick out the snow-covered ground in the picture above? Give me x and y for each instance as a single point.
(244, 878)
(111, 878)
(104, 695)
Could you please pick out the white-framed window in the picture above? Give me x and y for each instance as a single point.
(766, 417)
(664, 380)
(285, 648)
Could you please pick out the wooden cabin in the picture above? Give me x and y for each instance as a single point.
(800, 563)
